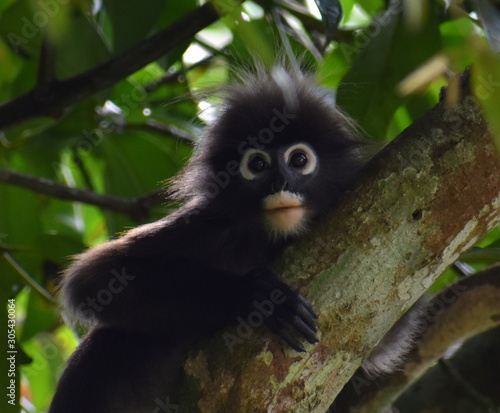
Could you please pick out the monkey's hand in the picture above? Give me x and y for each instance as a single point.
(286, 312)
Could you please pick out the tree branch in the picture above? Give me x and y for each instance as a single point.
(462, 310)
(58, 96)
(477, 300)
(137, 208)
(421, 202)
(154, 126)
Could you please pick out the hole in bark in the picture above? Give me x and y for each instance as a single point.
(417, 215)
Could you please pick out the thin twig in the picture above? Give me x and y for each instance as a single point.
(171, 77)
(137, 208)
(152, 125)
(28, 279)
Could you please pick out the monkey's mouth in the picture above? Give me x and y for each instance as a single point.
(284, 210)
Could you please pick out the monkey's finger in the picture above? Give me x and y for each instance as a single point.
(308, 306)
(307, 332)
(299, 306)
(298, 300)
(308, 315)
(300, 320)
(282, 332)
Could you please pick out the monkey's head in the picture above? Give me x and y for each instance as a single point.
(279, 155)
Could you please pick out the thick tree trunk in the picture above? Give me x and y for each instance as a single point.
(422, 201)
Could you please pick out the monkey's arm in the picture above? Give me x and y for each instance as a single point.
(125, 284)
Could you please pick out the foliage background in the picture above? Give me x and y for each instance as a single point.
(385, 70)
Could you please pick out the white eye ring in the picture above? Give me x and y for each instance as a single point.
(308, 151)
(248, 156)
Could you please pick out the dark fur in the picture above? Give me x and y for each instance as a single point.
(193, 272)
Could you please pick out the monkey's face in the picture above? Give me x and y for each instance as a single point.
(278, 157)
(281, 177)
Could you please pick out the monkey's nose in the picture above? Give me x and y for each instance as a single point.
(279, 184)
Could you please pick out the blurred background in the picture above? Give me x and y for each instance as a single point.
(102, 101)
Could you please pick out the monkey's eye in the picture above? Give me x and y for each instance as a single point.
(257, 164)
(298, 159)
(302, 157)
(253, 163)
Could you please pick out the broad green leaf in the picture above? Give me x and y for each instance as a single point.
(454, 33)
(253, 40)
(174, 10)
(40, 316)
(136, 163)
(20, 228)
(21, 27)
(43, 372)
(132, 21)
(81, 48)
(10, 67)
(486, 84)
(334, 67)
(367, 91)
(4, 4)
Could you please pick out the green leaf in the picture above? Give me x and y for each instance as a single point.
(486, 84)
(454, 33)
(19, 26)
(174, 10)
(132, 20)
(40, 316)
(129, 157)
(380, 60)
(4, 4)
(43, 372)
(81, 48)
(333, 68)
(9, 69)
(253, 40)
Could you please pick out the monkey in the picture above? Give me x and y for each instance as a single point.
(279, 155)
